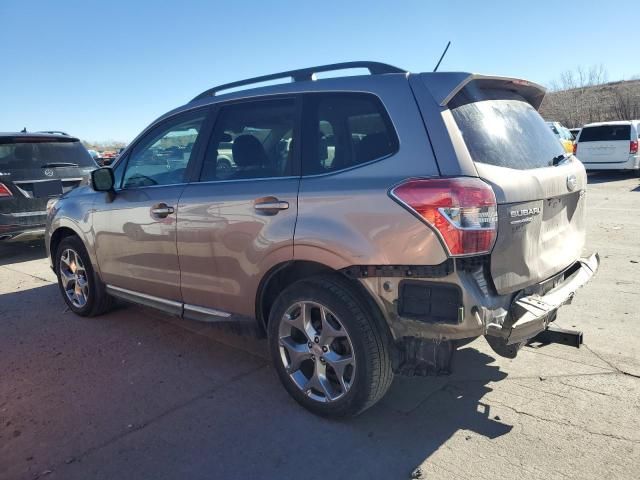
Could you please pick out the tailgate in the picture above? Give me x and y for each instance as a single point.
(604, 152)
(541, 222)
(539, 188)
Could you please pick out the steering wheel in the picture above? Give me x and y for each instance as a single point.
(139, 180)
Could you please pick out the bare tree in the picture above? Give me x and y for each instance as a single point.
(580, 78)
(583, 95)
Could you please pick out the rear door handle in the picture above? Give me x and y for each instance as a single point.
(162, 210)
(270, 205)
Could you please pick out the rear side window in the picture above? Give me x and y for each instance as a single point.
(344, 130)
(500, 128)
(606, 133)
(42, 154)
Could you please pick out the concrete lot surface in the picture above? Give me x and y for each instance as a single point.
(138, 395)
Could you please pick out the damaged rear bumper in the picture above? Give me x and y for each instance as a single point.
(531, 314)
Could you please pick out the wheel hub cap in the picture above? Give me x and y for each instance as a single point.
(73, 277)
(316, 351)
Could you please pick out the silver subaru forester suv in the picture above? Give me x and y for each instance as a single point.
(367, 225)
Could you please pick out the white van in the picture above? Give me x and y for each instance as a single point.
(609, 146)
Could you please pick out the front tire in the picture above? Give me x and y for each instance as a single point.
(328, 347)
(81, 289)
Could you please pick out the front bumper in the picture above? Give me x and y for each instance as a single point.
(530, 315)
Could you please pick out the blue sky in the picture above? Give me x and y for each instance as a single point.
(103, 70)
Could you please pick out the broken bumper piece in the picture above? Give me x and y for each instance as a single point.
(531, 315)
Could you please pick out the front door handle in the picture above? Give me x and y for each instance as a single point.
(270, 205)
(162, 210)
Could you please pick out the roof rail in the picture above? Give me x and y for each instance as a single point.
(54, 132)
(303, 74)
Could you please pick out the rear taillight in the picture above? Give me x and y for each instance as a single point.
(633, 146)
(4, 191)
(575, 148)
(462, 210)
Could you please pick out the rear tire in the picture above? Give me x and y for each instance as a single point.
(81, 289)
(329, 349)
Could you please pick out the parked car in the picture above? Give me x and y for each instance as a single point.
(368, 225)
(610, 146)
(106, 157)
(575, 132)
(35, 167)
(94, 154)
(563, 134)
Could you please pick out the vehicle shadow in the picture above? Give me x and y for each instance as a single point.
(242, 425)
(21, 252)
(605, 176)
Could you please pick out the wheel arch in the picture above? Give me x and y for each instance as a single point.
(57, 236)
(286, 273)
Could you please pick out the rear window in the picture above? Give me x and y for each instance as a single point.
(606, 133)
(500, 128)
(20, 156)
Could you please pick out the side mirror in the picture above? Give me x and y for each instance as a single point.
(102, 180)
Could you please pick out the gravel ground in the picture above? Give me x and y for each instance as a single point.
(138, 395)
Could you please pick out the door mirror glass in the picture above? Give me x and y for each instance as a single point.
(102, 180)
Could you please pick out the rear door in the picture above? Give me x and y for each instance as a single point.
(539, 187)
(604, 144)
(237, 220)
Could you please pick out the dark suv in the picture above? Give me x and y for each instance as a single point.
(34, 168)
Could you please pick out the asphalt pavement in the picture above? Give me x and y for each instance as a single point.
(135, 394)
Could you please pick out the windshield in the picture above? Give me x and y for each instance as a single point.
(500, 128)
(40, 154)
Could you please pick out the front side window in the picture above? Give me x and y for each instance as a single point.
(251, 140)
(161, 158)
(345, 130)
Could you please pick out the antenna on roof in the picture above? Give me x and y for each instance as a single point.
(442, 56)
(24, 130)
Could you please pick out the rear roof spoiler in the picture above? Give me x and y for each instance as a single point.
(444, 86)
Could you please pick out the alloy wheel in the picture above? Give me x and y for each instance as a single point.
(73, 277)
(316, 351)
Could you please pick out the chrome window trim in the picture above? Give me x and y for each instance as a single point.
(241, 180)
(352, 167)
(74, 179)
(149, 186)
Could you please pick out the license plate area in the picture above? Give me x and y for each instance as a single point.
(48, 188)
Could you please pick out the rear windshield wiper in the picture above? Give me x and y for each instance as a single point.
(555, 161)
(59, 164)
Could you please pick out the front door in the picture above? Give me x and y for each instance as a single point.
(136, 227)
(238, 220)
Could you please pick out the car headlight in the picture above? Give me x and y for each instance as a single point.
(50, 204)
